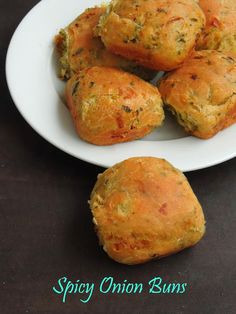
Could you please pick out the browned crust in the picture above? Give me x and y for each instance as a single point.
(220, 31)
(145, 209)
(111, 106)
(202, 94)
(80, 49)
(157, 34)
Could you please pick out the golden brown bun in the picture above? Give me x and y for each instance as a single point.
(159, 34)
(79, 49)
(144, 208)
(111, 106)
(202, 94)
(220, 31)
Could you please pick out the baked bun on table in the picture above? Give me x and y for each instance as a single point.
(143, 209)
(202, 93)
(111, 106)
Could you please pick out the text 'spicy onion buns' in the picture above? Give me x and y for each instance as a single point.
(79, 49)
(111, 106)
(144, 208)
(159, 34)
(220, 31)
(202, 93)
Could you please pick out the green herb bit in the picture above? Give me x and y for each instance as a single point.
(91, 84)
(126, 109)
(78, 51)
(75, 88)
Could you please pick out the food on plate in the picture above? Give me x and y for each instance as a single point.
(79, 49)
(220, 31)
(159, 34)
(111, 106)
(202, 94)
(144, 208)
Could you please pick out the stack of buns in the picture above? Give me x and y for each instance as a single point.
(128, 39)
(107, 56)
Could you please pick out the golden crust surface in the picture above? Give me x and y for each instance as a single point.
(111, 106)
(202, 94)
(79, 48)
(159, 34)
(220, 31)
(143, 209)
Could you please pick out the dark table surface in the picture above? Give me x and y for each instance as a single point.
(46, 231)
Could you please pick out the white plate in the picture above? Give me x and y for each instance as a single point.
(36, 91)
